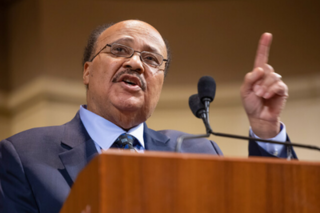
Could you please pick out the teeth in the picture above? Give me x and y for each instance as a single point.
(129, 81)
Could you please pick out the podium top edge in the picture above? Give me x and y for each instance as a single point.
(173, 155)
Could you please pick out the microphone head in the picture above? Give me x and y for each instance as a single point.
(196, 105)
(206, 88)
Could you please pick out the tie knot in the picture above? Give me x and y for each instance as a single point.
(124, 141)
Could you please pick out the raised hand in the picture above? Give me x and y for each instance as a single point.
(263, 93)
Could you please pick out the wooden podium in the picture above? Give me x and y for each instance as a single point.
(159, 182)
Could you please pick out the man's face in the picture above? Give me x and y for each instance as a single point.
(125, 91)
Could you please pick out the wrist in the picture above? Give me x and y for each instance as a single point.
(265, 129)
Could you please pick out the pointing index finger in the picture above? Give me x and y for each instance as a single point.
(262, 55)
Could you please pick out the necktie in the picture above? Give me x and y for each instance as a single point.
(126, 141)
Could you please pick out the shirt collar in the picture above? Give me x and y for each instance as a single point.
(104, 132)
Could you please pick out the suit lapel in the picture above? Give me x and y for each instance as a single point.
(80, 148)
(156, 141)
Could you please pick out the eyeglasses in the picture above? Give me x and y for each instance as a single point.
(152, 59)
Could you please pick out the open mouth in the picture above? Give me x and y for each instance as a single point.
(130, 82)
(131, 79)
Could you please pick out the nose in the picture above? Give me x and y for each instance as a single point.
(134, 63)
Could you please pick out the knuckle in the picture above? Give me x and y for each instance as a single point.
(247, 75)
(269, 67)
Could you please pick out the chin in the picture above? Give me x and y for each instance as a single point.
(130, 116)
(129, 103)
(129, 107)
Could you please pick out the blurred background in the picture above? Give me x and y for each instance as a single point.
(42, 42)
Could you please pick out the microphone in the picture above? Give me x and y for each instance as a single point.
(206, 92)
(199, 105)
(206, 89)
(197, 108)
(200, 111)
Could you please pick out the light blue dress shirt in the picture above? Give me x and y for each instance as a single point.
(273, 149)
(103, 132)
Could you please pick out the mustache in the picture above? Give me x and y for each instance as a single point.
(130, 72)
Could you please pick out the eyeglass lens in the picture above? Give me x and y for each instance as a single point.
(152, 59)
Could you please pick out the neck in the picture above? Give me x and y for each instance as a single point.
(124, 120)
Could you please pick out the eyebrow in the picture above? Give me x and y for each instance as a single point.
(130, 40)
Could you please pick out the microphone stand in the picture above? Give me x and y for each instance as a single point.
(205, 119)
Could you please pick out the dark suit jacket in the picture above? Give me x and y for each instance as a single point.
(38, 166)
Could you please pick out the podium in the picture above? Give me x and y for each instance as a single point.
(161, 182)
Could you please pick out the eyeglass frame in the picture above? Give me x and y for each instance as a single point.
(109, 45)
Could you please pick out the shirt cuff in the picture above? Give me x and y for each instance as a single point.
(273, 149)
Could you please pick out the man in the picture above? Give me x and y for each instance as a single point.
(124, 74)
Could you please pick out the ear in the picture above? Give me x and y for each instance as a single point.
(86, 73)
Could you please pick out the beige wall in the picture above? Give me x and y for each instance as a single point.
(45, 41)
(48, 36)
(42, 102)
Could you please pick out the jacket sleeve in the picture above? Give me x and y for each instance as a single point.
(15, 191)
(256, 150)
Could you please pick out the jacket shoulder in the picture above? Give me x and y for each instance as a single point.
(198, 145)
(35, 134)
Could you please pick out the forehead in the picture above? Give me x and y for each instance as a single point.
(140, 34)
